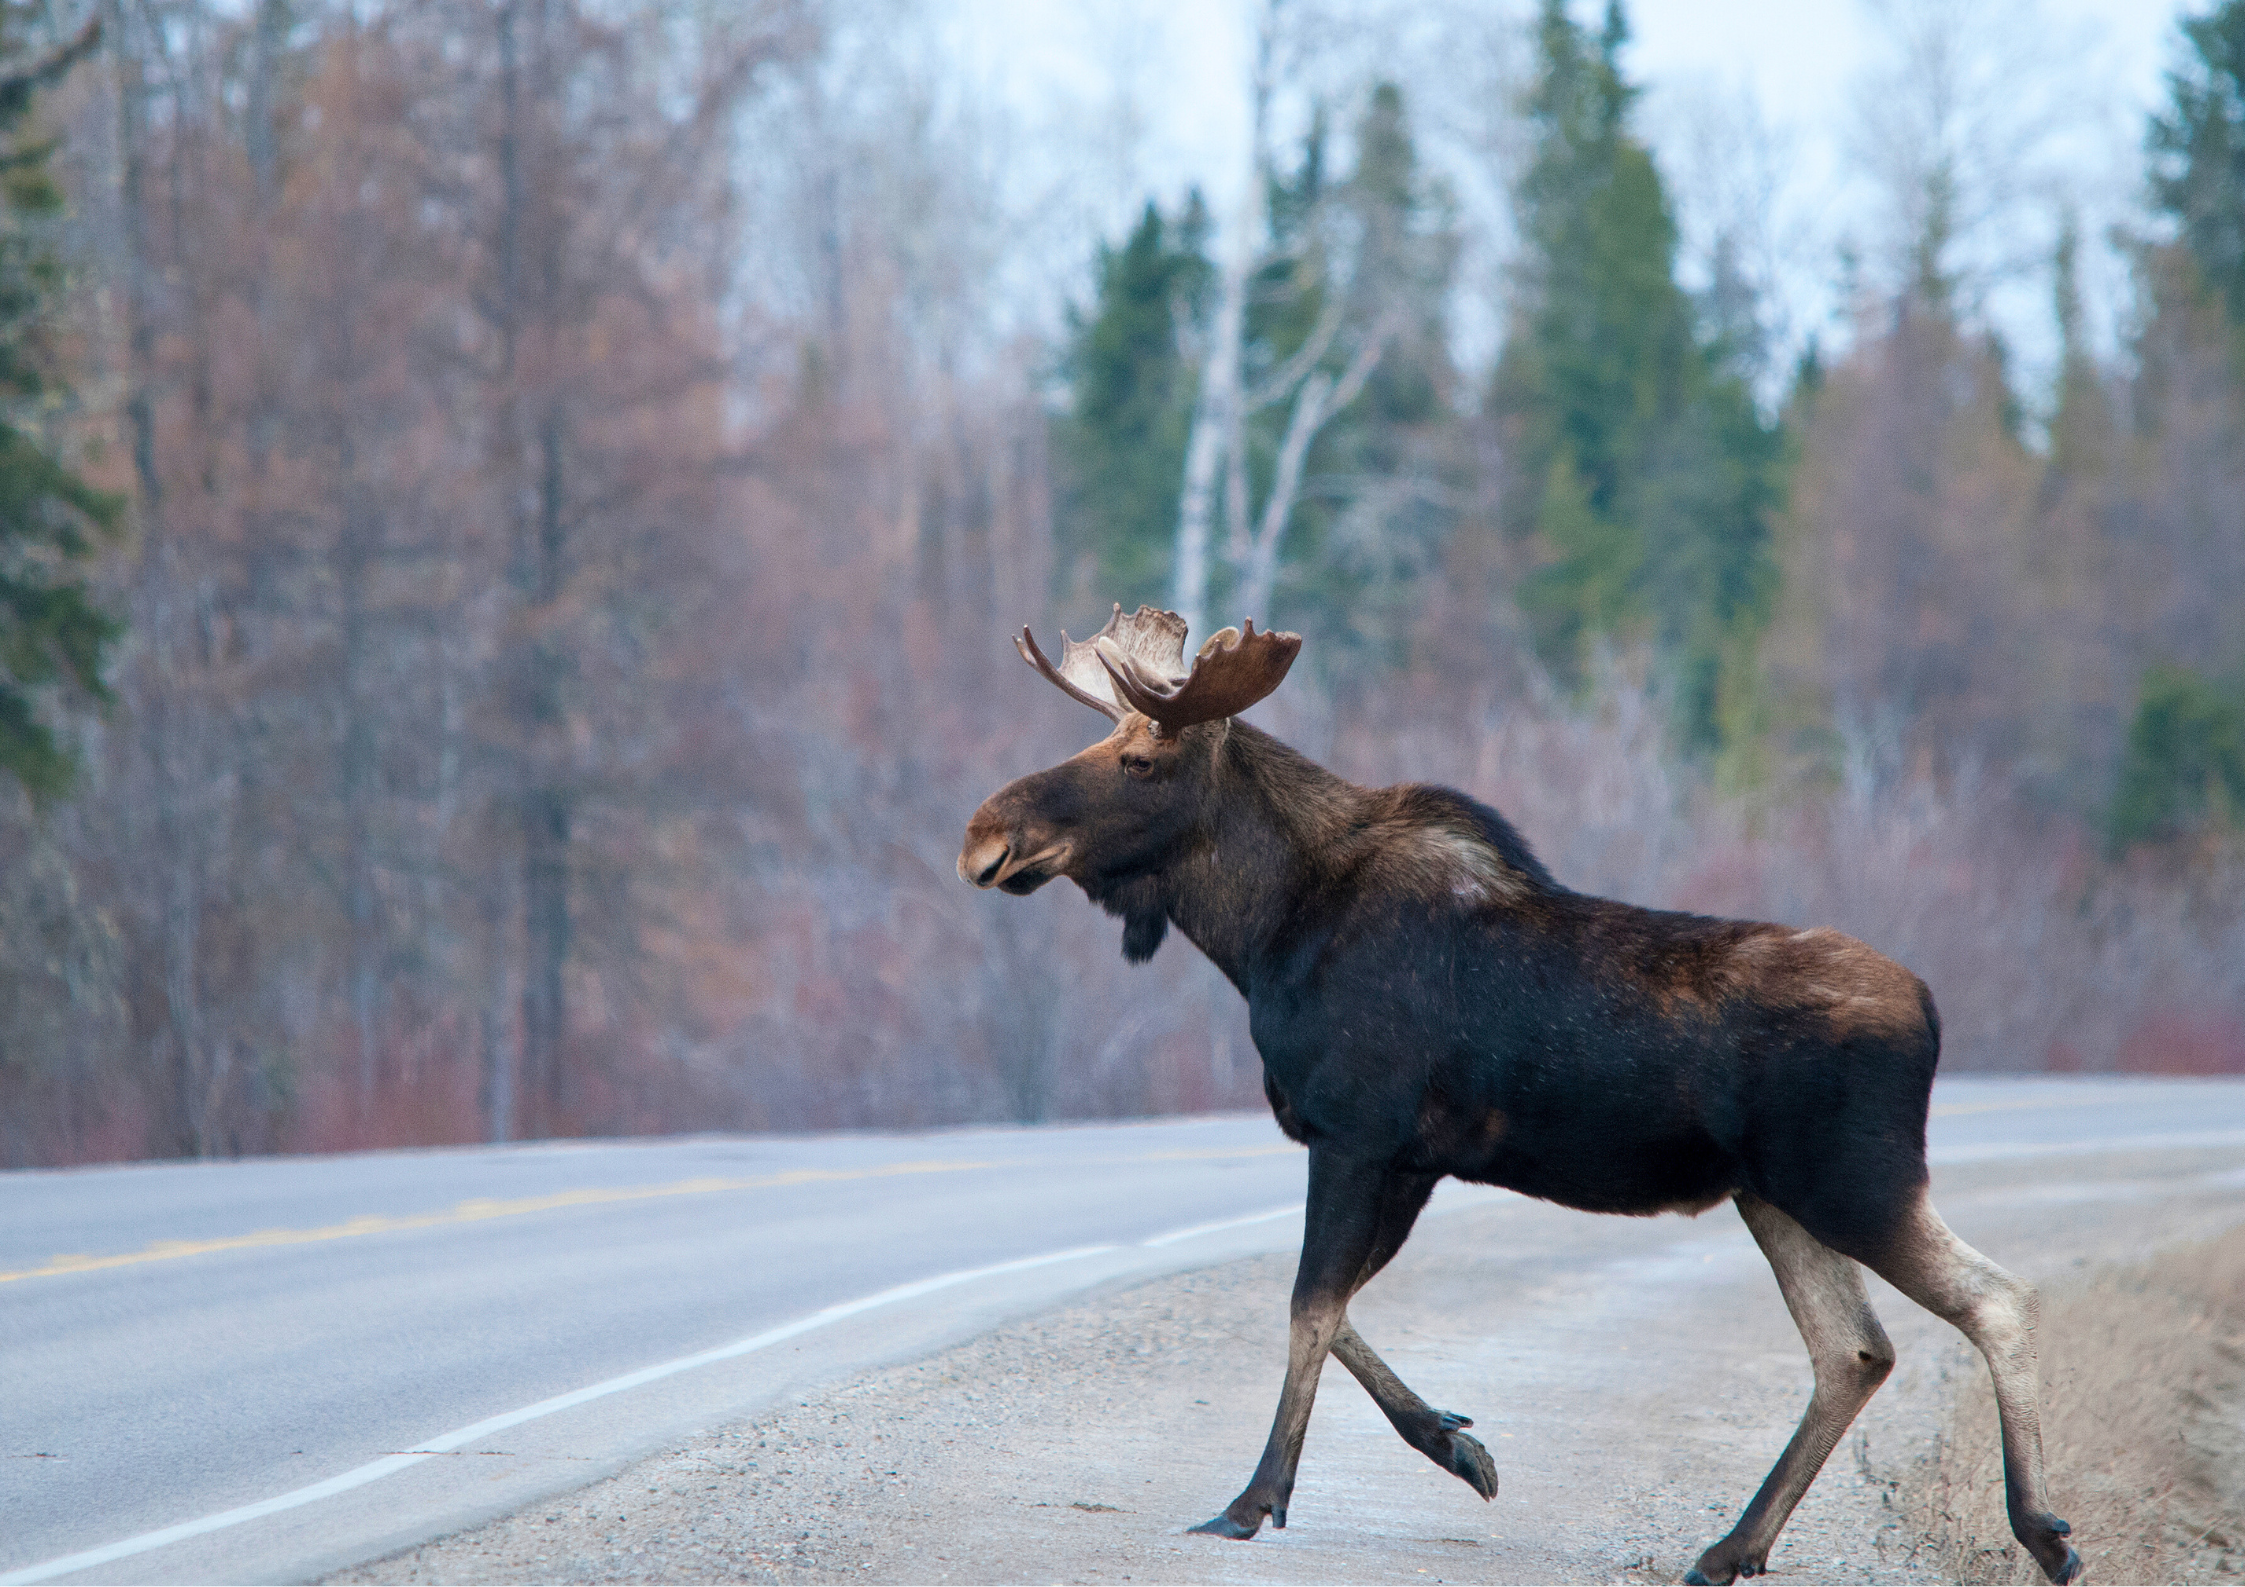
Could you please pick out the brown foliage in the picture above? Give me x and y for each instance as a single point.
(581, 505)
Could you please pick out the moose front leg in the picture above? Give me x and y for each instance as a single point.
(1340, 1231)
(1441, 1436)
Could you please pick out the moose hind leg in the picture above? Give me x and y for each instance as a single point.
(1441, 1436)
(1851, 1356)
(1997, 1311)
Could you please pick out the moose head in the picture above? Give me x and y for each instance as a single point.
(1125, 808)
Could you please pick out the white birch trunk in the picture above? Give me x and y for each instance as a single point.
(1318, 400)
(1204, 452)
(1217, 417)
(1261, 571)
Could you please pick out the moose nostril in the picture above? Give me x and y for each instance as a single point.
(982, 869)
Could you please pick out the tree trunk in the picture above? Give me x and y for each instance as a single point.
(1212, 427)
(547, 805)
(497, 1059)
(1217, 416)
(545, 914)
(359, 768)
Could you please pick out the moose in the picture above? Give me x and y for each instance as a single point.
(1428, 1001)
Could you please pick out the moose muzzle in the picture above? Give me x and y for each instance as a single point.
(999, 854)
(983, 857)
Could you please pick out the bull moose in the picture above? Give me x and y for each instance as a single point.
(1428, 1001)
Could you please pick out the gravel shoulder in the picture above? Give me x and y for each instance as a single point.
(1633, 1378)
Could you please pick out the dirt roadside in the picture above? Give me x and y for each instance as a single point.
(1633, 1378)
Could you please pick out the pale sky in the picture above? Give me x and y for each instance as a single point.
(1130, 97)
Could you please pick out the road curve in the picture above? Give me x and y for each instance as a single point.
(334, 1358)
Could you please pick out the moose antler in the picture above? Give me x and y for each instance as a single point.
(1137, 663)
(1233, 670)
(1152, 640)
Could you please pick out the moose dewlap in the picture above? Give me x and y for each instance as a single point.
(1428, 1001)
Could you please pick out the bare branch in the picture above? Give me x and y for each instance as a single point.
(24, 79)
(1280, 383)
(1320, 397)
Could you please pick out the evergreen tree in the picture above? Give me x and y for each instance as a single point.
(2197, 150)
(2183, 765)
(1640, 463)
(1121, 444)
(2185, 761)
(53, 634)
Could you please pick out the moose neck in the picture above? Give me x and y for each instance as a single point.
(1277, 822)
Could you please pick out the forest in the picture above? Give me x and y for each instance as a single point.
(512, 514)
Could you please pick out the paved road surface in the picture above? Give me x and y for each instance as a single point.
(181, 1341)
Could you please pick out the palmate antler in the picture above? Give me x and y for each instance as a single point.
(1151, 641)
(1137, 663)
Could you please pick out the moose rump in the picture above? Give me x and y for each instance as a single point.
(1428, 1001)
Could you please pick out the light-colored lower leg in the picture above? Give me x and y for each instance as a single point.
(1309, 1339)
(1358, 1214)
(1851, 1357)
(1438, 1435)
(1998, 1312)
(1389, 1392)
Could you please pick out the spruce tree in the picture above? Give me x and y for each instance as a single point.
(2185, 759)
(2183, 765)
(1121, 444)
(53, 634)
(1639, 464)
(2197, 148)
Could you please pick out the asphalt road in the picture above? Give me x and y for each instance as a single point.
(365, 1352)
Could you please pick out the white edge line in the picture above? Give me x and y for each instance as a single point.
(1198, 1229)
(375, 1470)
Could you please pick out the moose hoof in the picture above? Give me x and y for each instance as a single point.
(2045, 1538)
(1470, 1462)
(1224, 1526)
(1709, 1571)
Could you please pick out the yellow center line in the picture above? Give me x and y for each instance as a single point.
(1285, 1149)
(481, 1209)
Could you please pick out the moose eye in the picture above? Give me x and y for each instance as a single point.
(1139, 766)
